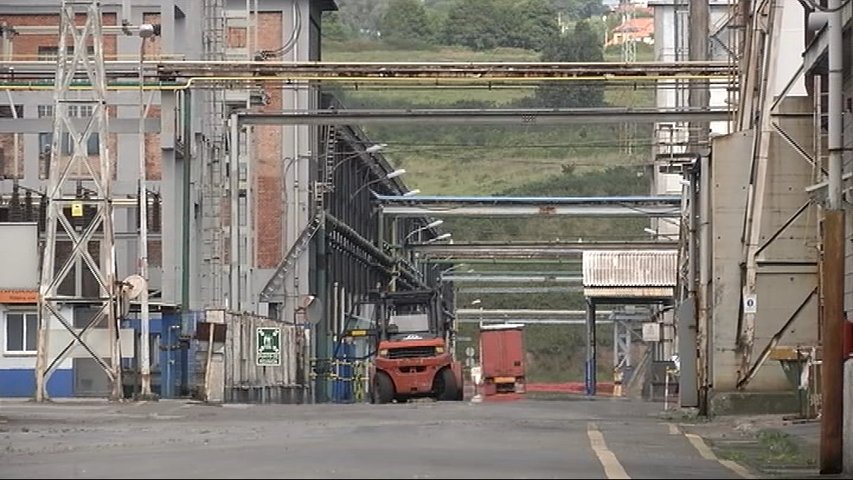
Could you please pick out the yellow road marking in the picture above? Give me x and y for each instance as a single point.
(612, 467)
(706, 453)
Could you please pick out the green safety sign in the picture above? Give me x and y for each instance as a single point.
(269, 347)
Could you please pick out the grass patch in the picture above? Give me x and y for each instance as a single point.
(782, 450)
(770, 451)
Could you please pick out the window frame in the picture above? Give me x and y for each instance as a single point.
(24, 316)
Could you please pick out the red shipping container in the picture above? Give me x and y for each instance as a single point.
(502, 355)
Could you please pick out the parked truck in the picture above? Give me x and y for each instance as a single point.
(502, 359)
(411, 333)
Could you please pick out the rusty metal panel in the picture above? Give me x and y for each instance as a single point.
(630, 268)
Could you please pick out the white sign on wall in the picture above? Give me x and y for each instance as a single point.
(651, 332)
(750, 303)
(20, 264)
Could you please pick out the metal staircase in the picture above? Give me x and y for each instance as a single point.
(275, 284)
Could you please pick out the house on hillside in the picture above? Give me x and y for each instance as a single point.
(636, 29)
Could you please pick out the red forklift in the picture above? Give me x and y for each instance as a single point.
(411, 333)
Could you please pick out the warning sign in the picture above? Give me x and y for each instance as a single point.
(269, 347)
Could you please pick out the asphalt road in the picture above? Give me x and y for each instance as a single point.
(602, 438)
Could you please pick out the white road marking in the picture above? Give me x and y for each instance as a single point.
(706, 453)
(612, 467)
(673, 429)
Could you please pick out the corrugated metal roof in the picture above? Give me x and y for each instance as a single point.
(630, 268)
(629, 292)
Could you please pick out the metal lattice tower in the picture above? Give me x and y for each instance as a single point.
(629, 54)
(83, 221)
(213, 282)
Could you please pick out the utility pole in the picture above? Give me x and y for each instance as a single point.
(832, 281)
(629, 55)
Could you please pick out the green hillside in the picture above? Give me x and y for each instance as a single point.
(485, 159)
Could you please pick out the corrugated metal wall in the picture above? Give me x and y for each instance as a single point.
(630, 268)
(235, 374)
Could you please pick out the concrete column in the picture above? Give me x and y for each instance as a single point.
(172, 202)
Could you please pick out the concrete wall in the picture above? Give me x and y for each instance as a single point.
(786, 271)
(729, 174)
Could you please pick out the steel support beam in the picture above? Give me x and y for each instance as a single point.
(653, 206)
(757, 189)
(501, 313)
(486, 278)
(499, 251)
(42, 125)
(519, 290)
(534, 321)
(590, 380)
(387, 72)
(529, 116)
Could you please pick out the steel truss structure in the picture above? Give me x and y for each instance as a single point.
(84, 223)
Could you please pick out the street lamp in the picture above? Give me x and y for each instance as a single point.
(656, 234)
(432, 224)
(450, 269)
(443, 236)
(479, 302)
(145, 31)
(388, 176)
(371, 149)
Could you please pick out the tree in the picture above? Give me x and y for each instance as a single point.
(582, 45)
(578, 9)
(406, 20)
(362, 16)
(535, 24)
(485, 24)
(332, 27)
(478, 24)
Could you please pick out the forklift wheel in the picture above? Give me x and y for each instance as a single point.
(383, 388)
(445, 386)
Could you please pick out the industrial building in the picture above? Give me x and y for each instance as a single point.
(257, 202)
(223, 230)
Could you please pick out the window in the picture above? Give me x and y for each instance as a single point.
(45, 111)
(6, 111)
(46, 138)
(50, 53)
(21, 332)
